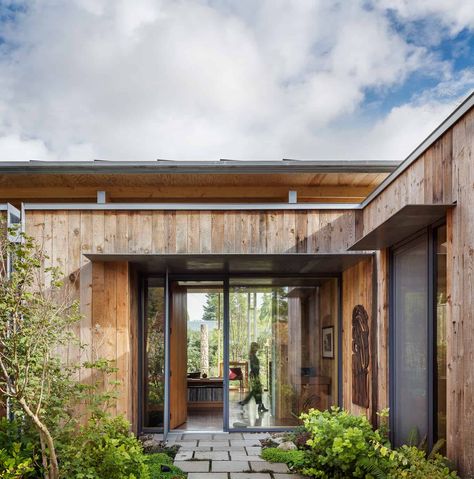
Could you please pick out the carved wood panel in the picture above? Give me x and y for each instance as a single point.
(360, 356)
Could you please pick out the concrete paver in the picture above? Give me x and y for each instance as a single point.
(253, 450)
(245, 442)
(287, 476)
(212, 455)
(268, 466)
(207, 475)
(214, 443)
(249, 475)
(230, 466)
(226, 456)
(238, 456)
(184, 455)
(229, 448)
(193, 466)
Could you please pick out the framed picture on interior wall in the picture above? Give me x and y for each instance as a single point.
(328, 342)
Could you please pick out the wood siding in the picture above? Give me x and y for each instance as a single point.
(443, 174)
(356, 289)
(107, 292)
(460, 334)
(427, 181)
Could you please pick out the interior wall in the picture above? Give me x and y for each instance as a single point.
(328, 314)
(356, 290)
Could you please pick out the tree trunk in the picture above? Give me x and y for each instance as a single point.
(204, 349)
(43, 430)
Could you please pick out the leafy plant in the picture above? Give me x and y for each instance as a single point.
(104, 448)
(36, 319)
(168, 471)
(300, 437)
(14, 464)
(341, 444)
(412, 463)
(19, 450)
(294, 459)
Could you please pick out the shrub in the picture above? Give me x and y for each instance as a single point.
(340, 445)
(412, 463)
(343, 445)
(14, 464)
(19, 450)
(104, 448)
(155, 463)
(294, 459)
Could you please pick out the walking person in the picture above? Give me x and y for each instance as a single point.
(254, 380)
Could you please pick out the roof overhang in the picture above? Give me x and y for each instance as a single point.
(198, 167)
(238, 264)
(404, 223)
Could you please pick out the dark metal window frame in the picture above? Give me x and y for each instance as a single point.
(430, 236)
(167, 278)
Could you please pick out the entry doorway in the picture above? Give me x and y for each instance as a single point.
(196, 355)
(237, 353)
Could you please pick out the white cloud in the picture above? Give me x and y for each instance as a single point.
(193, 79)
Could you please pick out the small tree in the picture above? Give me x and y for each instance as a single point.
(35, 322)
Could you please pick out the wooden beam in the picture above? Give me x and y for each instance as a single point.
(174, 193)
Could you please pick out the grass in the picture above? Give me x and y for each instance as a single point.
(158, 459)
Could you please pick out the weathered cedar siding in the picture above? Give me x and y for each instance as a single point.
(427, 181)
(443, 174)
(107, 292)
(356, 289)
(460, 334)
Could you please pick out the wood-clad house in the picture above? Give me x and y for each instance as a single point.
(355, 279)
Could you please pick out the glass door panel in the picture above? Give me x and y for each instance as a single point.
(196, 355)
(282, 350)
(410, 341)
(154, 354)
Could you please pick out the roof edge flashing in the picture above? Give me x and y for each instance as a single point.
(198, 167)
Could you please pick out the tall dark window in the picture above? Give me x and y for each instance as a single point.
(440, 334)
(410, 341)
(418, 339)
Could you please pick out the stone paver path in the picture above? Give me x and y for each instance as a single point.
(225, 456)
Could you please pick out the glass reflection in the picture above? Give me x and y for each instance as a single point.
(276, 343)
(154, 357)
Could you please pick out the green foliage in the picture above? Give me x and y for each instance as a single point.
(154, 463)
(104, 448)
(14, 464)
(19, 450)
(412, 463)
(294, 459)
(339, 441)
(343, 445)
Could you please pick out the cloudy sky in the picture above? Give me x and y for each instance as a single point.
(242, 79)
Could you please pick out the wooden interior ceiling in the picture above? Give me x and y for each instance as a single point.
(231, 188)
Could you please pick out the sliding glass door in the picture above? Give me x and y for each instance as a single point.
(282, 350)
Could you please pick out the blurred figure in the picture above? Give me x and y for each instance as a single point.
(254, 380)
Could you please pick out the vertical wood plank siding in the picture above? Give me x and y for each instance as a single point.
(443, 174)
(460, 334)
(427, 181)
(356, 289)
(107, 292)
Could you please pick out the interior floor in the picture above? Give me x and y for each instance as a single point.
(240, 417)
